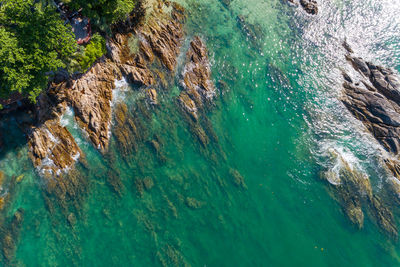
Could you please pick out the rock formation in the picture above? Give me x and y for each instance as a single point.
(353, 191)
(198, 87)
(310, 6)
(198, 90)
(374, 98)
(52, 147)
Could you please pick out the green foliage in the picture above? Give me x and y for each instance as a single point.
(107, 11)
(95, 49)
(34, 42)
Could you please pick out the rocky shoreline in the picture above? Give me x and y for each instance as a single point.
(52, 148)
(372, 95)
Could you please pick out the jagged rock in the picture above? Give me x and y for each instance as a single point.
(152, 96)
(383, 216)
(90, 94)
(189, 105)
(137, 76)
(125, 130)
(310, 6)
(375, 101)
(197, 84)
(163, 36)
(350, 187)
(52, 148)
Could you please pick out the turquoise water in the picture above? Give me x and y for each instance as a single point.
(276, 116)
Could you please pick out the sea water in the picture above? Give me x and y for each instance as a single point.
(275, 120)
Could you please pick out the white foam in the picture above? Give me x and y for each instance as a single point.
(67, 119)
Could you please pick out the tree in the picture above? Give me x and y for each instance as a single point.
(112, 11)
(34, 43)
(95, 49)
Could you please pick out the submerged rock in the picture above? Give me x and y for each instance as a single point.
(152, 96)
(353, 191)
(193, 203)
(197, 72)
(253, 31)
(9, 235)
(238, 179)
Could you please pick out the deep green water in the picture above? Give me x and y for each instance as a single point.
(273, 122)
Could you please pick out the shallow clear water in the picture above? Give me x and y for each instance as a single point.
(274, 123)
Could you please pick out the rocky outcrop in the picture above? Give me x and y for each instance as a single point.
(162, 36)
(373, 97)
(198, 87)
(198, 91)
(353, 191)
(52, 147)
(375, 100)
(310, 6)
(90, 96)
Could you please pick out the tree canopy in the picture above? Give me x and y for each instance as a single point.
(107, 11)
(34, 42)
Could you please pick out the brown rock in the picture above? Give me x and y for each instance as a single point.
(163, 35)
(91, 96)
(152, 96)
(52, 148)
(197, 72)
(137, 76)
(189, 105)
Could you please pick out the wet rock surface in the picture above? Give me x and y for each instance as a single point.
(374, 99)
(52, 147)
(372, 95)
(198, 87)
(198, 91)
(310, 6)
(353, 190)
